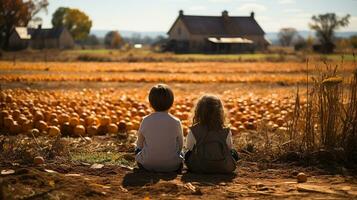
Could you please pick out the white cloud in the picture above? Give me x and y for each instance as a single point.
(342, 14)
(264, 18)
(220, 1)
(229, 1)
(303, 15)
(197, 8)
(248, 7)
(292, 10)
(298, 20)
(352, 26)
(286, 1)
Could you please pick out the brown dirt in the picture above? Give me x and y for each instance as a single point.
(114, 182)
(72, 177)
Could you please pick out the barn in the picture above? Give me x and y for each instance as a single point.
(39, 38)
(216, 34)
(19, 38)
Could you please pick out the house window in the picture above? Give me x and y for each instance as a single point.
(179, 31)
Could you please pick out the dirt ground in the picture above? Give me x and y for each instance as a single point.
(87, 175)
(113, 182)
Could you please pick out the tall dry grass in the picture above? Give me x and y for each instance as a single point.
(328, 120)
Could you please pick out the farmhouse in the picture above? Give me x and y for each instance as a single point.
(39, 38)
(216, 34)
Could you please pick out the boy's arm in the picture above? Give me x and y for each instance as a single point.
(180, 136)
(140, 140)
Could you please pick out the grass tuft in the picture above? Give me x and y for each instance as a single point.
(103, 158)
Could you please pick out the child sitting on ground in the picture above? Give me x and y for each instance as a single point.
(160, 138)
(209, 142)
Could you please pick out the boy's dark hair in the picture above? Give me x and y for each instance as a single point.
(209, 113)
(161, 97)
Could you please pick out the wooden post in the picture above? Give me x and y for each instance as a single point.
(45, 56)
(14, 59)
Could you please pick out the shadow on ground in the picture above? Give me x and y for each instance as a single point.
(142, 178)
(212, 179)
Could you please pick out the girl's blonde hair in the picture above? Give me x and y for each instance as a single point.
(209, 112)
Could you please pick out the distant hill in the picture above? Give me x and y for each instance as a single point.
(124, 33)
(272, 36)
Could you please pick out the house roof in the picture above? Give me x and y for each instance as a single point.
(52, 33)
(33, 33)
(221, 25)
(23, 33)
(236, 40)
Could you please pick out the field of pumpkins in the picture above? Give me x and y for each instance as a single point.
(90, 112)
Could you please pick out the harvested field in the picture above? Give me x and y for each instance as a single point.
(81, 120)
(271, 73)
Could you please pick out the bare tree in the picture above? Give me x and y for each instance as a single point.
(17, 13)
(325, 26)
(286, 36)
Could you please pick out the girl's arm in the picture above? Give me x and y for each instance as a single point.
(190, 141)
(229, 140)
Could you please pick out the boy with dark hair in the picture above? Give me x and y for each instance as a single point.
(160, 137)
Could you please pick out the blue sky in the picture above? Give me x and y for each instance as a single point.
(158, 15)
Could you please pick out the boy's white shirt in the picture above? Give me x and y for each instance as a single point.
(191, 141)
(160, 139)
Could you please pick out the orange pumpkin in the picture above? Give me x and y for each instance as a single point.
(79, 130)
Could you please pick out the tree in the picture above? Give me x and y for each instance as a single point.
(325, 26)
(39, 5)
(113, 40)
(147, 40)
(300, 43)
(91, 40)
(76, 21)
(17, 13)
(286, 36)
(353, 41)
(136, 38)
(160, 38)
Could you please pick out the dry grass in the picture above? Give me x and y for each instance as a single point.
(24, 149)
(328, 122)
(168, 67)
(154, 77)
(147, 55)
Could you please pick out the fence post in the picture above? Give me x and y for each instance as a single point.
(14, 59)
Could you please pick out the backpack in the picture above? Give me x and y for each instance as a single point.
(211, 153)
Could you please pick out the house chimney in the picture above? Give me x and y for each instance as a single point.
(225, 14)
(252, 14)
(181, 13)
